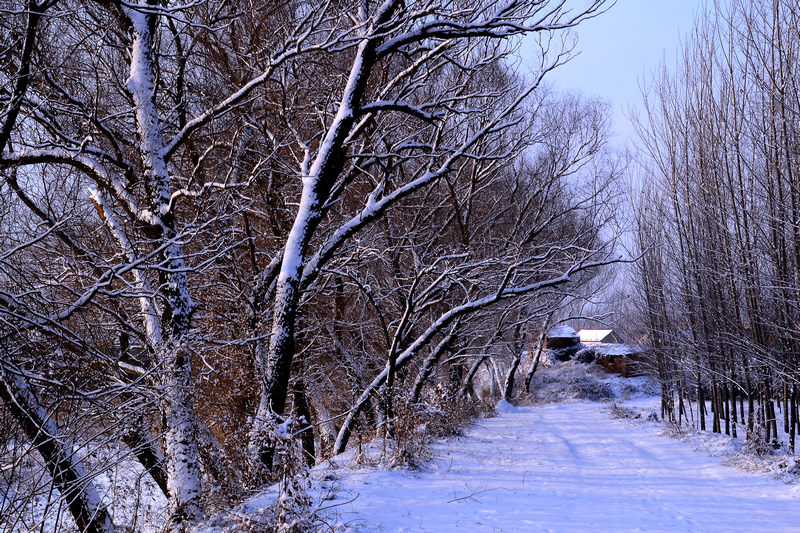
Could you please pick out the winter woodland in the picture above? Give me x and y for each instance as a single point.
(238, 239)
(234, 237)
(717, 298)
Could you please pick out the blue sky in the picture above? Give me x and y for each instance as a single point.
(622, 47)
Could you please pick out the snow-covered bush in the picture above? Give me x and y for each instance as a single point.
(757, 443)
(586, 354)
(410, 447)
(675, 430)
(570, 380)
(563, 354)
(622, 412)
(443, 413)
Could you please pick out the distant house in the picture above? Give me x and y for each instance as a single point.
(618, 359)
(599, 336)
(561, 337)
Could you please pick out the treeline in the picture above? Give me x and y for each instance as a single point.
(229, 230)
(720, 293)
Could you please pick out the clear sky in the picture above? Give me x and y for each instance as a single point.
(620, 48)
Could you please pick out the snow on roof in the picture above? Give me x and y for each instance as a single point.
(562, 332)
(594, 335)
(614, 349)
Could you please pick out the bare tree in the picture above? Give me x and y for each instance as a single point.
(363, 183)
(721, 148)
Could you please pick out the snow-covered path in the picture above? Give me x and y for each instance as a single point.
(567, 468)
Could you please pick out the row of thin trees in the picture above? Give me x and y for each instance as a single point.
(224, 225)
(720, 196)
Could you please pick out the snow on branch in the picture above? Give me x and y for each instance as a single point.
(402, 107)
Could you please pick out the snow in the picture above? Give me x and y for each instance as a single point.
(567, 467)
(572, 466)
(564, 464)
(562, 332)
(594, 335)
(118, 482)
(613, 349)
(504, 407)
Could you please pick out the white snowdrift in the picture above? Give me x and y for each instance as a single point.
(504, 407)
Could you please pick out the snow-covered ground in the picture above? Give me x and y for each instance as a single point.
(574, 461)
(562, 468)
(132, 497)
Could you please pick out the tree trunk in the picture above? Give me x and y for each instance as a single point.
(727, 404)
(428, 365)
(183, 465)
(150, 457)
(466, 386)
(785, 407)
(508, 387)
(793, 421)
(701, 404)
(304, 427)
(59, 454)
(317, 184)
(181, 452)
(535, 365)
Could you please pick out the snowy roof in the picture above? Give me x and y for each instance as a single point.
(594, 335)
(614, 349)
(562, 332)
